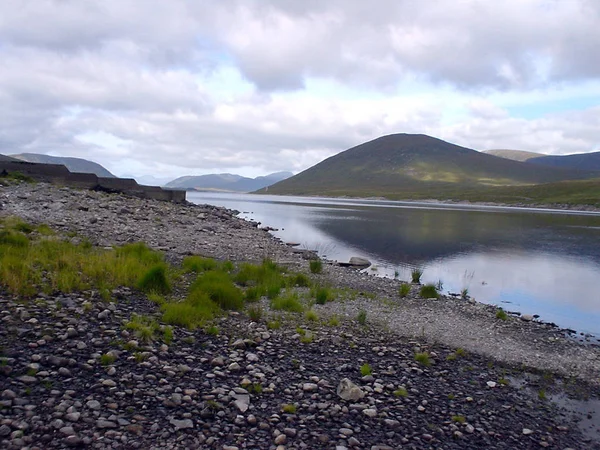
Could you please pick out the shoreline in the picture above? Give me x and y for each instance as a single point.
(396, 327)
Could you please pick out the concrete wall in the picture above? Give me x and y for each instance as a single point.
(59, 174)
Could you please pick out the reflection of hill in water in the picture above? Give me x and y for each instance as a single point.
(417, 236)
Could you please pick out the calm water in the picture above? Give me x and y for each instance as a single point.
(531, 261)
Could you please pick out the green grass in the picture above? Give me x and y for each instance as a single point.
(220, 289)
(198, 264)
(429, 291)
(316, 266)
(254, 388)
(334, 321)
(365, 370)
(107, 359)
(459, 419)
(17, 176)
(464, 294)
(253, 293)
(155, 280)
(144, 327)
(423, 358)
(290, 301)
(501, 314)
(415, 275)
(300, 280)
(32, 261)
(274, 325)
(361, 318)
(288, 408)
(404, 290)
(322, 294)
(255, 313)
(401, 392)
(311, 315)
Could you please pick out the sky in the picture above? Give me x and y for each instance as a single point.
(189, 87)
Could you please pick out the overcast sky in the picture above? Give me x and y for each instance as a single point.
(186, 87)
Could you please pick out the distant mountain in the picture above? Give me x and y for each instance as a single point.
(515, 155)
(149, 180)
(73, 164)
(581, 161)
(7, 158)
(416, 166)
(227, 182)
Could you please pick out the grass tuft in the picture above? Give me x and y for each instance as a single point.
(501, 314)
(361, 318)
(423, 358)
(401, 392)
(289, 408)
(429, 291)
(255, 313)
(311, 315)
(198, 264)
(155, 280)
(220, 288)
(404, 290)
(322, 295)
(415, 275)
(288, 302)
(365, 370)
(316, 266)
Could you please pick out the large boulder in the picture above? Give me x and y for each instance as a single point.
(347, 390)
(359, 262)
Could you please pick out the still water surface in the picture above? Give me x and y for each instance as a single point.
(532, 261)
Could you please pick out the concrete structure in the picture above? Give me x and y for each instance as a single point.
(59, 174)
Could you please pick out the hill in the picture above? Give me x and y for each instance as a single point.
(73, 164)
(227, 182)
(580, 161)
(515, 155)
(416, 166)
(7, 158)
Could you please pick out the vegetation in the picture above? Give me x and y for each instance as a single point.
(464, 294)
(415, 275)
(311, 315)
(401, 392)
(198, 264)
(322, 295)
(459, 419)
(255, 313)
(288, 408)
(290, 301)
(429, 291)
(144, 327)
(155, 280)
(361, 318)
(404, 290)
(365, 370)
(501, 314)
(107, 359)
(334, 321)
(423, 358)
(316, 266)
(17, 176)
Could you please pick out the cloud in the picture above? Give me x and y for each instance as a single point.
(193, 87)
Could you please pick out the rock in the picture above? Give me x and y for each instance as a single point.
(357, 261)
(241, 402)
(491, 384)
(100, 423)
(527, 431)
(310, 387)
(370, 412)
(349, 391)
(527, 317)
(182, 424)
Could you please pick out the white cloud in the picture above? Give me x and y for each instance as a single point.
(195, 87)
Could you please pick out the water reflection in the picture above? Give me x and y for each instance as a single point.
(533, 262)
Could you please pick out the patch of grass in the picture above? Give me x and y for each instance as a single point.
(194, 311)
(404, 290)
(401, 392)
(301, 331)
(212, 330)
(322, 294)
(423, 358)
(253, 293)
(227, 266)
(17, 176)
(290, 301)
(311, 315)
(168, 335)
(542, 394)
(451, 396)
(274, 325)
(365, 370)
(107, 359)
(198, 264)
(361, 318)
(255, 313)
(415, 275)
(461, 352)
(157, 298)
(429, 291)
(289, 408)
(501, 314)
(464, 294)
(144, 328)
(316, 266)
(220, 288)
(300, 280)
(334, 321)
(459, 419)
(254, 388)
(155, 280)
(307, 339)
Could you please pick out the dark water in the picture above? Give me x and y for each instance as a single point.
(531, 261)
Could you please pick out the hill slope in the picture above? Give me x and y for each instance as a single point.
(73, 164)
(227, 182)
(581, 161)
(515, 155)
(408, 165)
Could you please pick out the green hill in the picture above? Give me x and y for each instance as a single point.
(515, 155)
(417, 166)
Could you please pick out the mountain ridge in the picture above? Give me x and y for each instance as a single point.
(77, 165)
(227, 182)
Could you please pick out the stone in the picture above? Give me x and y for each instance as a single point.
(310, 387)
(349, 391)
(527, 431)
(182, 424)
(370, 412)
(527, 317)
(491, 384)
(357, 261)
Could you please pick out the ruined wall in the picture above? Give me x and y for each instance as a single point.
(59, 174)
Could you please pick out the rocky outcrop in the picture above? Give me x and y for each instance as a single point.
(59, 174)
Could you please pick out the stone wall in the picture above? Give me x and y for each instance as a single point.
(59, 174)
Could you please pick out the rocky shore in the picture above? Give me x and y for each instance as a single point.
(72, 374)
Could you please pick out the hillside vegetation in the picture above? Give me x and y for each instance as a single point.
(405, 166)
